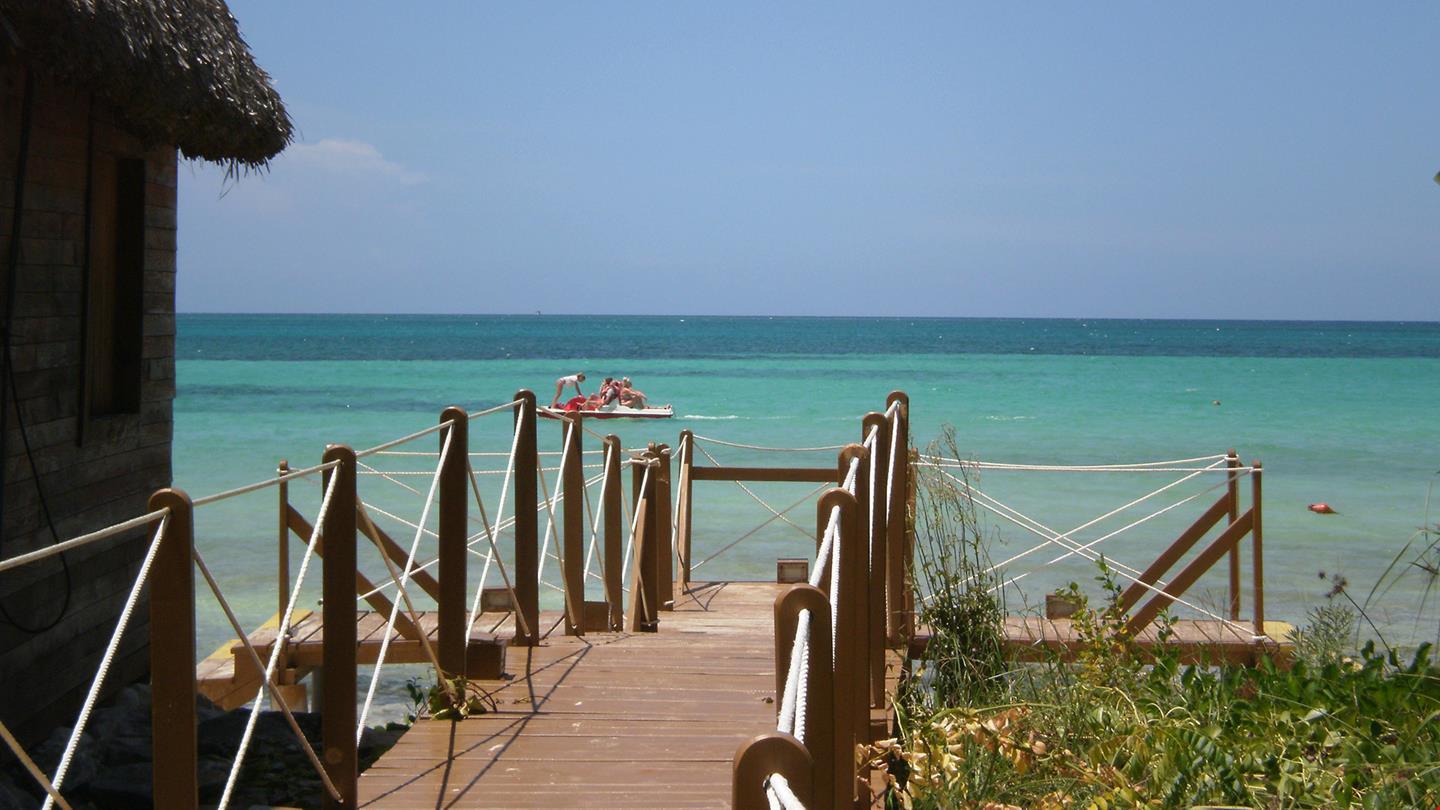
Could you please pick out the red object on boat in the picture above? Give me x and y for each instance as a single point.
(1322, 509)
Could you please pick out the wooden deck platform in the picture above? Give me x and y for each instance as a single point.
(229, 679)
(605, 720)
(1035, 638)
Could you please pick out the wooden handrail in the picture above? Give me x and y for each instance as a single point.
(812, 475)
(1192, 572)
(1171, 555)
(389, 547)
(377, 601)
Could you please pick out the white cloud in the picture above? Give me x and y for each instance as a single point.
(351, 158)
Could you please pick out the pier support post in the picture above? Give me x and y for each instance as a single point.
(614, 534)
(527, 523)
(901, 599)
(820, 719)
(337, 679)
(666, 530)
(765, 754)
(172, 655)
(453, 533)
(683, 542)
(572, 477)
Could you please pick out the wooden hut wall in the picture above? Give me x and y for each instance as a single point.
(95, 468)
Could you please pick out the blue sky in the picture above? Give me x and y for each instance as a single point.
(1029, 160)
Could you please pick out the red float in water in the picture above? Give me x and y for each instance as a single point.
(1322, 509)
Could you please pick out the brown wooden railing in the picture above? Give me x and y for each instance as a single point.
(861, 576)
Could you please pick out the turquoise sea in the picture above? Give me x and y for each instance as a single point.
(1338, 412)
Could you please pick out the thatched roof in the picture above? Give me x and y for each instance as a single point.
(177, 70)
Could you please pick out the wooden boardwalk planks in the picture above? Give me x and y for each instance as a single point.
(605, 720)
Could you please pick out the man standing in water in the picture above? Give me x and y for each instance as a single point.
(573, 379)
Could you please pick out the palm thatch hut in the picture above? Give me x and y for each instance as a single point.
(96, 99)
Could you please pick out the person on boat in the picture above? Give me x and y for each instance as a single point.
(631, 397)
(573, 379)
(609, 391)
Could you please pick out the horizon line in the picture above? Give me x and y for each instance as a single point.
(540, 314)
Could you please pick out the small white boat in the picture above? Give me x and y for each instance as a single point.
(613, 411)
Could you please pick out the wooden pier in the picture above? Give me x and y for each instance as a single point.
(648, 688)
(604, 720)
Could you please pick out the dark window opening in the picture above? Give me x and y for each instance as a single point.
(116, 297)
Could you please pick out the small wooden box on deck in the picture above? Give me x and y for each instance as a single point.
(1060, 606)
(496, 600)
(597, 616)
(790, 570)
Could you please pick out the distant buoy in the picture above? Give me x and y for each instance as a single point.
(1215, 402)
(1322, 509)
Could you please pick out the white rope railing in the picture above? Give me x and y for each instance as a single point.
(764, 449)
(275, 697)
(1175, 465)
(779, 794)
(30, 766)
(83, 540)
(490, 535)
(748, 491)
(556, 493)
(747, 535)
(1125, 574)
(258, 485)
(404, 577)
(403, 439)
(1087, 524)
(507, 406)
(635, 520)
(108, 658)
(280, 638)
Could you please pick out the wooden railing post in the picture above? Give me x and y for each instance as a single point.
(172, 655)
(615, 536)
(644, 591)
(527, 523)
(760, 756)
(820, 716)
(453, 533)
(666, 530)
(861, 539)
(900, 600)
(1232, 493)
(1257, 539)
(683, 542)
(282, 550)
(875, 579)
(852, 704)
(337, 680)
(572, 478)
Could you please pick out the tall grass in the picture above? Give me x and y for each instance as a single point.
(1121, 727)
